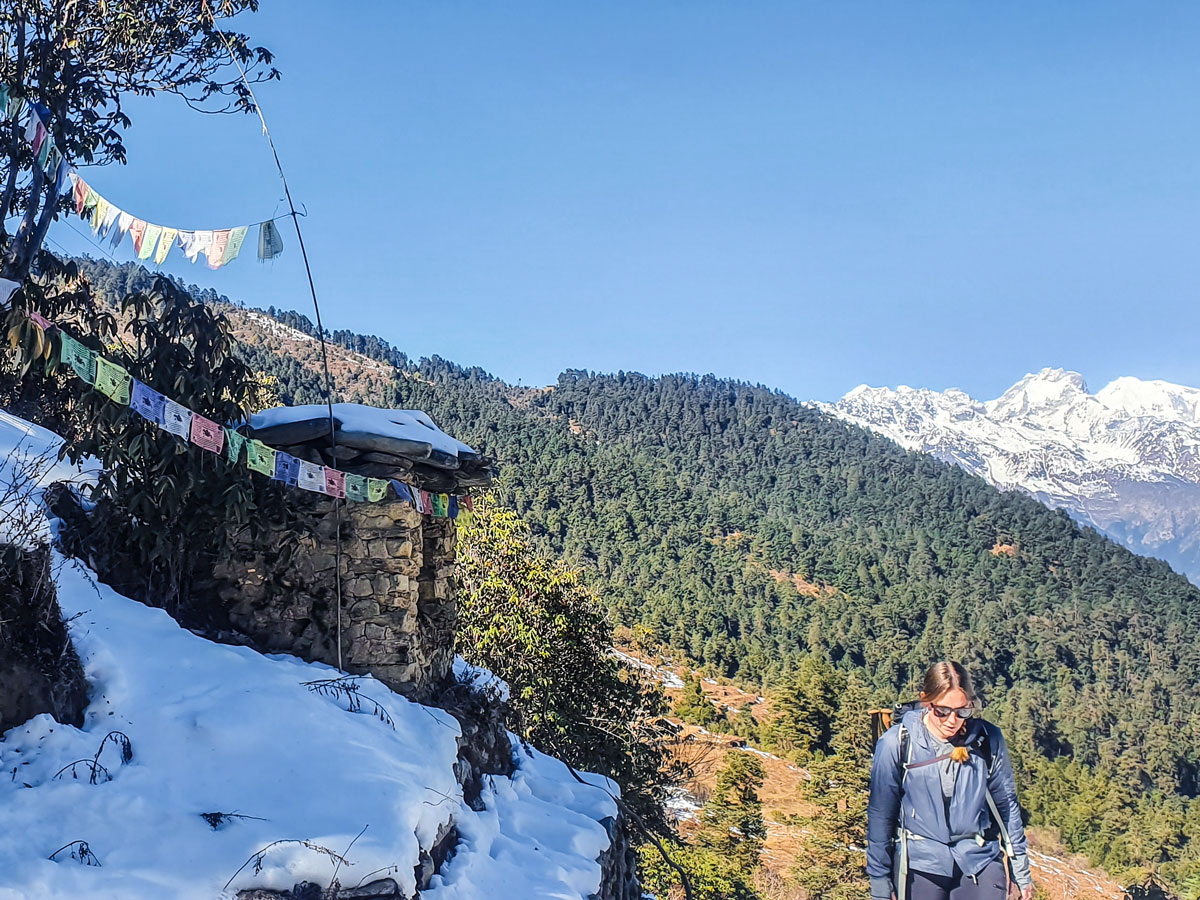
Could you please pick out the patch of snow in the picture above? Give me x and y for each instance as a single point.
(217, 728)
(404, 424)
(485, 681)
(28, 462)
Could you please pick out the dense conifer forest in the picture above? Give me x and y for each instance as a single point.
(754, 533)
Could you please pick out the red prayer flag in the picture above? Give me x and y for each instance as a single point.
(466, 501)
(207, 434)
(41, 320)
(335, 483)
(138, 230)
(81, 191)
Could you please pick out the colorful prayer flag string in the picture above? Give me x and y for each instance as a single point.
(114, 382)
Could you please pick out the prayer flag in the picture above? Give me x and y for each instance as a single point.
(260, 457)
(164, 245)
(177, 419)
(138, 230)
(402, 491)
(15, 105)
(148, 403)
(99, 214)
(64, 169)
(80, 193)
(79, 358)
(233, 445)
(216, 249)
(356, 487)
(149, 241)
(452, 507)
(311, 477)
(424, 503)
(4, 97)
(335, 483)
(39, 136)
(270, 244)
(376, 489)
(110, 219)
(124, 223)
(113, 381)
(441, 504)
(89, 202)
(31, 129)
(44, 153)
(468, 503)
(234, 245)
(287, 468)
(207, 434)
(200, 242)
(53, 159)
(42, 322)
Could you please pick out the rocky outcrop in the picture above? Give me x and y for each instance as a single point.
(397, 583)
(618, 864)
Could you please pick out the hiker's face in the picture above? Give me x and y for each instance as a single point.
(951, 725)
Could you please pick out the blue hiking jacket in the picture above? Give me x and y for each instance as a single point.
(937, 843)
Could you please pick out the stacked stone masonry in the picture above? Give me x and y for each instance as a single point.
(398, 601)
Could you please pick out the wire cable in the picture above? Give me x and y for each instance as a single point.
(295, 217)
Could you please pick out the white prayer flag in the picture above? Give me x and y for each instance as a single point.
(177, 419)
(312, 477)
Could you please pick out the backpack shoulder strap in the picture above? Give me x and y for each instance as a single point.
(988, 753)
(985, 750)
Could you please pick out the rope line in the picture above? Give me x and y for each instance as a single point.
(295, 217)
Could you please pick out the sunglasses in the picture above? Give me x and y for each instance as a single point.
(963, 712)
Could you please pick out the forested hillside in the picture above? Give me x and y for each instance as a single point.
(750, 530)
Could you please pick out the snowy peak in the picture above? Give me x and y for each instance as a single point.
(1049, 391)
(1153, 399)
(1125, 460)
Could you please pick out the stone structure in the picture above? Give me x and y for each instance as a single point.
(398, 605)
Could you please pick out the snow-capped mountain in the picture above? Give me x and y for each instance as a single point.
(1125, 460)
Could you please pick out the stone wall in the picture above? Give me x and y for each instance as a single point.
(398, 606)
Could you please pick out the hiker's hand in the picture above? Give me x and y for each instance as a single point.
(1027, 892)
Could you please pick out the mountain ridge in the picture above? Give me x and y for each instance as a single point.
(1125, 460)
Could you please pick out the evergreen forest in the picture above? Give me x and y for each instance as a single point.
(761, 538)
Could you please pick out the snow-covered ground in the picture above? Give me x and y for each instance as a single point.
(221, 729)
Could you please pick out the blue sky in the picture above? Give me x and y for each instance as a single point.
(807, 195)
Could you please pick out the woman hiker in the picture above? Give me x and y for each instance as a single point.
(943, 817)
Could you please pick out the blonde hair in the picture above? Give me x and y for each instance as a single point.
(943, 677)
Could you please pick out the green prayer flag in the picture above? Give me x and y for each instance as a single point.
(44, 151)
(234, 246)
(113, 381)
(356, 488)
(233, 445)
(150, 241)
(441, 505)
(260, 457)
(78, 357)
(377, 489)
(4, 97)
(89, 201)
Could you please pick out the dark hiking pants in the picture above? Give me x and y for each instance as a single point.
(990, 884)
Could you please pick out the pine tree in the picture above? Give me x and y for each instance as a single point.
(732, 821)
(693, 706)
(830, 864)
